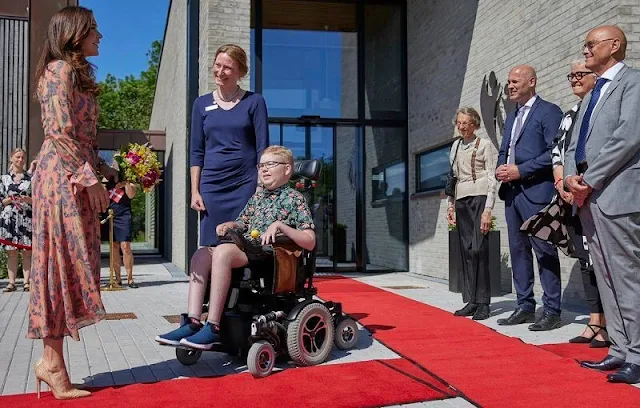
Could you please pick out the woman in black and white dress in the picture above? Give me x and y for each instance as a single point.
(582, 81)
(15, 218)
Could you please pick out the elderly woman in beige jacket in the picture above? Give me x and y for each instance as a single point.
(473, 160)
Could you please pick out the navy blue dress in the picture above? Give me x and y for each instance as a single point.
(226, 144)
(122, 218)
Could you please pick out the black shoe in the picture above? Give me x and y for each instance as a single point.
(629, 373)
(482, 312)
(468, 310)
(595, 343)
(547, 322)
(518, 316)
(587, 340)
(608, 363)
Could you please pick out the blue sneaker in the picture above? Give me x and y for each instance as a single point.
(173, 337)
(202, 340)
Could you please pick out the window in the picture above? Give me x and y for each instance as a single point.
(432, 167)
(387, 181)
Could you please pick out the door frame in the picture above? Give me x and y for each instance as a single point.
(309, 122)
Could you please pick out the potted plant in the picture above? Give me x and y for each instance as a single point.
(455, 260)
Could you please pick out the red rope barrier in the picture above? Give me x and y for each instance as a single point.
(13, 244)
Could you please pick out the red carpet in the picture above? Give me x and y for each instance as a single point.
(362, 384)
(490, 369)
(576, 351)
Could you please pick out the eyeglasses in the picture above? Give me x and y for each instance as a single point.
(590, 45)
(465, 123)
(578, 75)
(268, 165)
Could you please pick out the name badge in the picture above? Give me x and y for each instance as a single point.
(210, 108)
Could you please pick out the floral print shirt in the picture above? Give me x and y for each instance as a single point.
(268, 206)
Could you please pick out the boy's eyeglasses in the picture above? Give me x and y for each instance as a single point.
(268, 165)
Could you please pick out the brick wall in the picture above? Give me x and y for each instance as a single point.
(452, 47)
(169, 114)
(222, 22)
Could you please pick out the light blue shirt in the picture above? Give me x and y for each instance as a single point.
(527, 107)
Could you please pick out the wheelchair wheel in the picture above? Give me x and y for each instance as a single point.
(346, 335)
(261, 359)
(188, 356)
(310, 335)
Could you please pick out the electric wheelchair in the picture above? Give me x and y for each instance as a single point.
(270, 310)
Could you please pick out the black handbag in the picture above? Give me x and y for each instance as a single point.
(451, 180)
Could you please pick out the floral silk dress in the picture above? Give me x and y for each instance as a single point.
(65, 273)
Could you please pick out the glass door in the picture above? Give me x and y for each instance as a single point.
(307, 141)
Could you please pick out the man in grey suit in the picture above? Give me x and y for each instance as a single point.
(605, 181)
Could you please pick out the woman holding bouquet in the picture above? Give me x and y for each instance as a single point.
(229, 131)
(15, 218)
(67, 197)
(120, 202)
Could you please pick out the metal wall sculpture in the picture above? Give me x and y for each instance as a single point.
(494, 107)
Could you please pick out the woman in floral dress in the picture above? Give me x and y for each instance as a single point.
(67, 197)
(15, 218)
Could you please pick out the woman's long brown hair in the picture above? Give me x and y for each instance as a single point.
(67, 28)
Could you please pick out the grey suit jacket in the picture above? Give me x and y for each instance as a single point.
(613, 146)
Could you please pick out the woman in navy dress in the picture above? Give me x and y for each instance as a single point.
(229, 131)
(121, 195)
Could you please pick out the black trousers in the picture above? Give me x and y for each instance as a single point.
(474, 248)
(592, 295)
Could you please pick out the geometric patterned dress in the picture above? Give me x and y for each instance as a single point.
(556, 223)
(65, 271)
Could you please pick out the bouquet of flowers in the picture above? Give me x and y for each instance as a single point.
(139, 165)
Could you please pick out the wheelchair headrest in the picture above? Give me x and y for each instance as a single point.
(308, 169)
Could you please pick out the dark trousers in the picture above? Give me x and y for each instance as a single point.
(474, 248)
(589, 282)
(517, 210)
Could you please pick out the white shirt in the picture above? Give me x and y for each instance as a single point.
(609, 74)
(527, 107)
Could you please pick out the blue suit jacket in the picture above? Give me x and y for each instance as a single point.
(532, 153)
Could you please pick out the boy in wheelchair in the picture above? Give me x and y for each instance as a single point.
(273, 210)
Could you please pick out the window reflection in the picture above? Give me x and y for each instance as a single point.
(321, 142)
(294, 139)
(306, 72)
(433, 167)
(385, 206)
(388, 181)
(383, 62)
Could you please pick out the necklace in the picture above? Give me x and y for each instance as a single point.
(466, 145)
(232, 96)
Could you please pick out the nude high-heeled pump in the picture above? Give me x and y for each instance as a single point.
(58, 382)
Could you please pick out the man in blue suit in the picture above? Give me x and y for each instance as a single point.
(524, 168)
